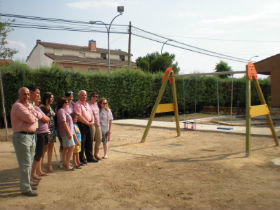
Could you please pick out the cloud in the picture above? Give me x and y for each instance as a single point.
(236, 19)
(16, 44)
(186, 15)
(268, 13)
(92, 4)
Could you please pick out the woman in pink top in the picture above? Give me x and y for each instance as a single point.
(49, 145)
(42, 137)
(69, 95)
(65, 128)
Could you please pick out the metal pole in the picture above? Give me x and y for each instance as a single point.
(129, 43)
(195, 95)
(108, 36)
(231, 96)
(164, 44)
(108, 30)
(208, 74)
(218, 101)
(109, 63)
(184, 100)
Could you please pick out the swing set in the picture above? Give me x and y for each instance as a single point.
(251, 111)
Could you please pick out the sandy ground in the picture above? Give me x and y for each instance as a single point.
(198, 170)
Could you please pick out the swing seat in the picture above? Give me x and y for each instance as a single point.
(192, 124)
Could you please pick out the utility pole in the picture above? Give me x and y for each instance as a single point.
(129, 43)
(3, 106)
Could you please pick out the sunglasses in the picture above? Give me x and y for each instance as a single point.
(104, 103)
(95, 96)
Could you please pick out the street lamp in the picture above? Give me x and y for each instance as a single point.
(164, 44)
(255, 56)
(120, 10)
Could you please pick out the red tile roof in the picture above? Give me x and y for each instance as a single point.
(5, 61)
(79, 48)
(87, 61)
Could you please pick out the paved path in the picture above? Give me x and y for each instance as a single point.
(260, 131)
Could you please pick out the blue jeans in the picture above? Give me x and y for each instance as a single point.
(24, 145)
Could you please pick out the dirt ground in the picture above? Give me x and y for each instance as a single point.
(198, 170)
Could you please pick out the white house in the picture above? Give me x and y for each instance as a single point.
(83, 58)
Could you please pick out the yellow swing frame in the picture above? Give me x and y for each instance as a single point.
(161, 108)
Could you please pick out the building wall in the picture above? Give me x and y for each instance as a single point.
(81, 54)
(37, 59)
(83, 68)
(268, 65)
(271, 66)
(275, 88)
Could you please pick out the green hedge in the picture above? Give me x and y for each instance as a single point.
(131, 93)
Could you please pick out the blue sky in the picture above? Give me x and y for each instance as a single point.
(240, 28)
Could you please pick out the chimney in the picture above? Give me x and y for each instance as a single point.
(92, 45)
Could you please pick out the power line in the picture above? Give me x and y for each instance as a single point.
(83, 26)
(224, 40)
(62, 28)
(194, 47)
(54, 19)
(188, 49)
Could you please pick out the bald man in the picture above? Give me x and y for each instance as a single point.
(85, 122)
(24, 118)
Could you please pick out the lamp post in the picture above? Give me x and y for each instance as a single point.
(255, 56)
(120, 9)
(164, 44)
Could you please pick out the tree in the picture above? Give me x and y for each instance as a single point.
(156, 62)
(223, 67)
(5, 52)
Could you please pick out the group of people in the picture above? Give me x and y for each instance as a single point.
(36, 126)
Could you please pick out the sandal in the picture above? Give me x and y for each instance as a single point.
(50, 169)
(97, 158)
(37, 178)
(69, 169)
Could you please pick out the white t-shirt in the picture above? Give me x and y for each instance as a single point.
(105, 117)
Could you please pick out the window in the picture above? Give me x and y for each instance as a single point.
(122, 57)
(93, 70)
(103, 55)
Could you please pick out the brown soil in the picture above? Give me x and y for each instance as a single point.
(198, 170)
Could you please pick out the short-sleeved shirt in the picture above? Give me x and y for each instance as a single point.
(70, 108)
(95, 110)
(63, 116)
(24, 117)
(77, 132)
(83, 109)
(43, 127)
(105, 117)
